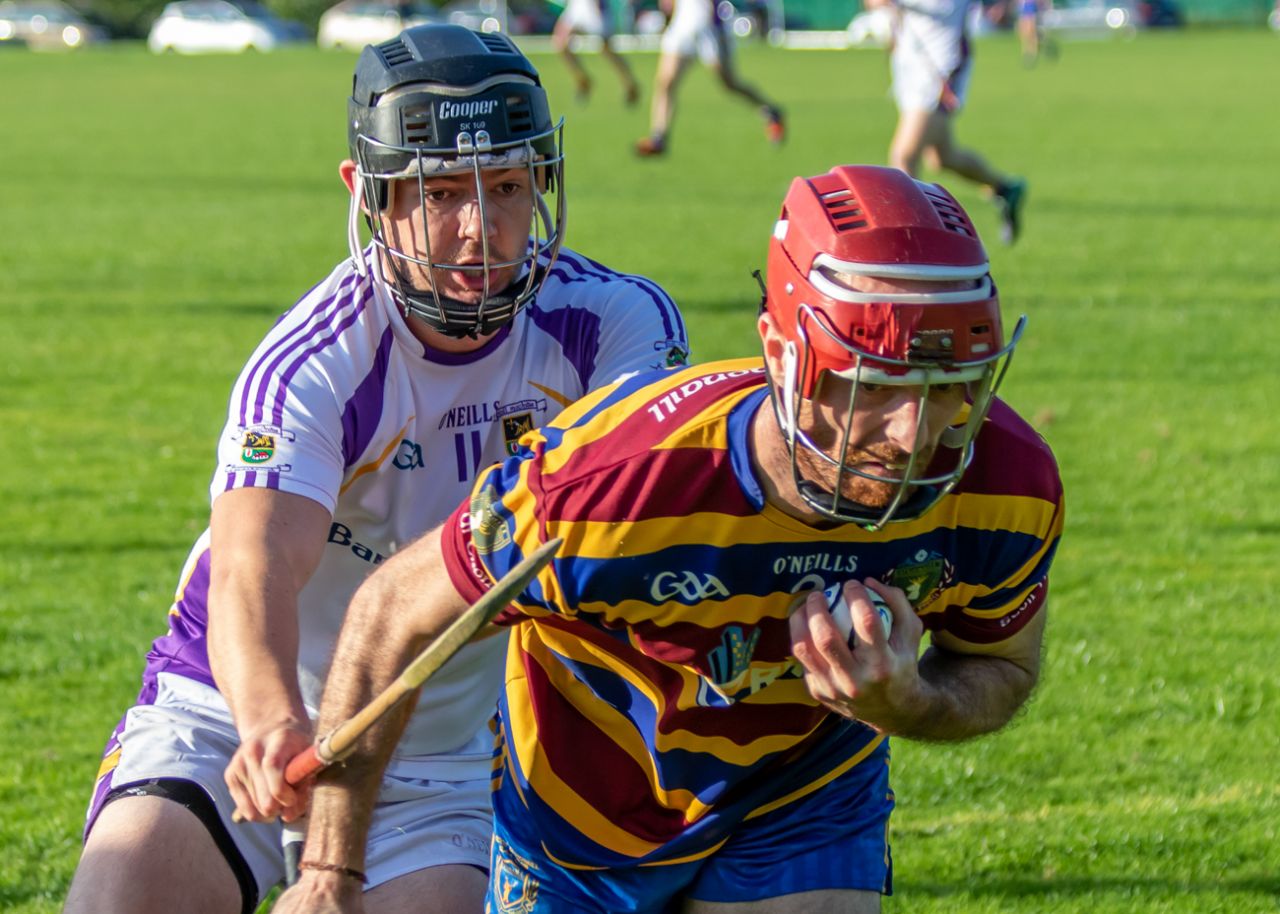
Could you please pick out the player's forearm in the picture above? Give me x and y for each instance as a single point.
(253, 649)
(963, 696)
(264, 547)
(381, 634)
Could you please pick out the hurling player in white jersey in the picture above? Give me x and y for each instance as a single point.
(931, 62)
(592, 17)
(695, 28)
(359, 422)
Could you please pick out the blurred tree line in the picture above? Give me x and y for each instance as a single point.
(132, 18)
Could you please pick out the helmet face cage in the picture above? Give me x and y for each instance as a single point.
(928, 315)
(473, 155)
(917, 488)
(416, 114)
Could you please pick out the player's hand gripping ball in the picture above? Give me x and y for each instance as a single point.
(843, 617)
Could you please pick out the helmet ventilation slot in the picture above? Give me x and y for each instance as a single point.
(395, 52)
(519, 117)
(952, 216)
(496, 42)
(417, 126)
(844, 211)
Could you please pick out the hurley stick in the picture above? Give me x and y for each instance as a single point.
(338, 743)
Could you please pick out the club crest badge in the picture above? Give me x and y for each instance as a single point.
(257, 447)
(259, 444)
(514, 428)
(489, 531)
(515, 890)
(923, 577)
(675, 354)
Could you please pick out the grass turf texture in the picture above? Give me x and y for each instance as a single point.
(159, 212)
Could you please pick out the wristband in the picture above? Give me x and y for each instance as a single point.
(347, 871)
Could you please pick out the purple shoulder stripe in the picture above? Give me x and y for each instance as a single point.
(577, 330)
(584, 268)
(363, 411)
(338, 323)
(316, 317)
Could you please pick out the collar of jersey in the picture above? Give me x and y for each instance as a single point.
(739, 435)
(435, 356)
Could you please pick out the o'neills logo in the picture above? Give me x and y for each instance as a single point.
(458, 110)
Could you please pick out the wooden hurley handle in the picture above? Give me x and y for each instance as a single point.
(333, 746)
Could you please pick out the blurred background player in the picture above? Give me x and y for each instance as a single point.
(695, 28)
(683, 726)
(931, 62)
(1031, 34)
(358, 423)
(592, 17)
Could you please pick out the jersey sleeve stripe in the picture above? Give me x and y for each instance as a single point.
(324, 342)
(672, 322)
(292, 329)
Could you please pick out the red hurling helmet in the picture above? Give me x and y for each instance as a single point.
(865, 226)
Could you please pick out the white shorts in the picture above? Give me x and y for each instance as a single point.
(586, 17)
(693, 31)
(920, 85)
(187, 733)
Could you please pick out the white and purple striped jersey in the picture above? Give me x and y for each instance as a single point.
(931, 54)
(341, 403)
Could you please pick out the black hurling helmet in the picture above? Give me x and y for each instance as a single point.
(442, 99)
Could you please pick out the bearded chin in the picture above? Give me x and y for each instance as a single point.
(858, 489)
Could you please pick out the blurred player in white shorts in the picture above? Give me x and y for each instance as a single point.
(696, 29)
(592, 17)
(359, 422)
(931, 62)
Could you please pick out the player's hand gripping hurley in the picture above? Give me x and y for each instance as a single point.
(336, 744)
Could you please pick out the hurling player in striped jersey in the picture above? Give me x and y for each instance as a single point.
(359, 422)
(684, 727)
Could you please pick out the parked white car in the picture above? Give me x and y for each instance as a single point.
(352, 24)
(46, 25)
(211, 26)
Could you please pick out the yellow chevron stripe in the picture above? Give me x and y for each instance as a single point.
(381, 458)
(607, 420)
(664, 741)
(553, 394)
(108, 765)
(820, 782)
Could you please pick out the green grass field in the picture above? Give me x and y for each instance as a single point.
(158, 213)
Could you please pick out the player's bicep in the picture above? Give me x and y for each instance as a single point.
(258, 534)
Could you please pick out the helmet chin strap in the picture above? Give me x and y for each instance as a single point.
(491, 315)
(353, 231)
(789, 378)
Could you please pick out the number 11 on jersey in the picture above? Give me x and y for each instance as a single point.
(467, 468)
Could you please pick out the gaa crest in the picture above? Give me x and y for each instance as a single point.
(514, 889)
(257, 447)
(922, 577)
(514, 428)
(489, 531)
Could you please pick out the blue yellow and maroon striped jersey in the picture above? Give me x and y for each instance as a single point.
(652, 702)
